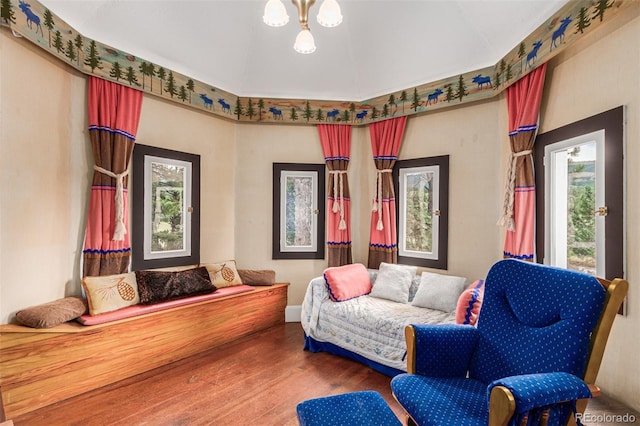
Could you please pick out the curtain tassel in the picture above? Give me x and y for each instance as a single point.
(377, 204)
(120, 229)
(506, 219)
(338, 196)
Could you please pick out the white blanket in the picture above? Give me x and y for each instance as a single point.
(368, 326)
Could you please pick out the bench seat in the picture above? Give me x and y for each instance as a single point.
(136, 310)
(39, 367)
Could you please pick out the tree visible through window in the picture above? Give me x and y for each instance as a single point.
(299, 211)
(581, 252)
(167, 205)
(419, 212)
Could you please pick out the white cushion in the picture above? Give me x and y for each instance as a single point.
(440, 292)
(393, 282)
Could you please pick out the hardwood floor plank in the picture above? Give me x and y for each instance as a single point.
(256, 380)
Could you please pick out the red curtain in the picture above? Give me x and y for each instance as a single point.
(386, 138)
(518, 215)
(114, 113)
(336, 146)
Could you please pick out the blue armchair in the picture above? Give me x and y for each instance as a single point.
(537, 349)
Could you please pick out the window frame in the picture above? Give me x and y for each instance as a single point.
(280, 171)
(612, 122)
(141, 258)
(439, 260)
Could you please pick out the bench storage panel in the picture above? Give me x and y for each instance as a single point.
(39, 367)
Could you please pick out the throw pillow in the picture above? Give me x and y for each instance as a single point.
(158, 286)
(440, 292)
(469, 303)
(347, 282)
(52, 313)
(415, 285)
(257, 277)
(110, 292)
(393, 282)
(223, 274)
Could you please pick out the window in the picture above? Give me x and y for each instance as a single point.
(422, 188)
(580, 195)
(574, 178)
(298, 211)
(166, 215)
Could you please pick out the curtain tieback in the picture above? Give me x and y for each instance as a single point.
(338, 194)
(509, 191)
(377, 203)
(120, 230)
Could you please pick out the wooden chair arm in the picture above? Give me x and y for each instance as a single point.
(410, 338)
(502, 406)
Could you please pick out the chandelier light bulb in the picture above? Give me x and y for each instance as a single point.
(304, 42)
(275, 14)
(329, 14)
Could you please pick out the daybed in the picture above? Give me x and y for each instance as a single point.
(361, 314)
(42, 366)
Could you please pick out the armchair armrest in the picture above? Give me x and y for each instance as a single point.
(520, 395)
(315, 295)
(442, 350)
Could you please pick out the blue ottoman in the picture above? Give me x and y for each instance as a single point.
(357, 408)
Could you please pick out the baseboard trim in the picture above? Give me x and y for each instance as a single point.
(293, 313)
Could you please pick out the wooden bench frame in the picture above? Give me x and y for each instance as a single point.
(39, 367)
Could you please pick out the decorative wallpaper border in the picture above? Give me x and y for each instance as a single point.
(577, 19)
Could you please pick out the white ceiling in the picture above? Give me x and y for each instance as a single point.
(382, 46)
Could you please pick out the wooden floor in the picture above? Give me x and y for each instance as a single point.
(257, 380)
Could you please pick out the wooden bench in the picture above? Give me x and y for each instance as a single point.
(39, 367)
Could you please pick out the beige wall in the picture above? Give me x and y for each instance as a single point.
(473, 138)
(258, 146)
(45, 173)
(167, 125)
(44, 177)
(580, 83)
(470, 135)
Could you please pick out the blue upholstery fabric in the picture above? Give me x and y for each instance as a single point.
(357, 408)
(450, 349)
(535, 319)
(442, 401)
(536, 393)
(539, 390)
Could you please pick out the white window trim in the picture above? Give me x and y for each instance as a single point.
(186, 208)
(285, 174)
(552, 198)
(403, 173)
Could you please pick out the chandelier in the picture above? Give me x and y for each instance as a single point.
(329, 15)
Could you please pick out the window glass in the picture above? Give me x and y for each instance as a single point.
(298, 211)
(300, 198)
(419, 212)
(167, 205)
